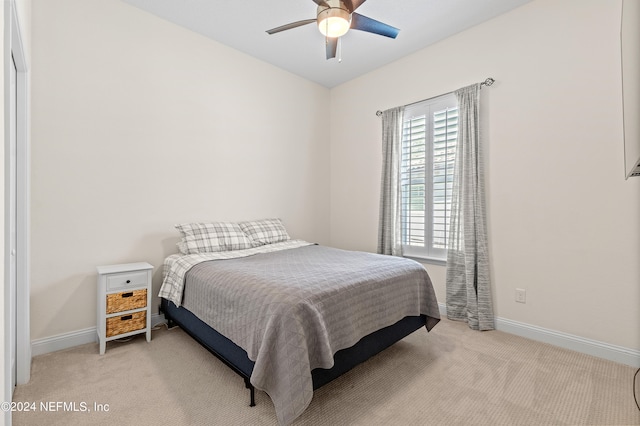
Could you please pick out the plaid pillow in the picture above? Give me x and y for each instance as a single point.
(211, 237)
(265, 231)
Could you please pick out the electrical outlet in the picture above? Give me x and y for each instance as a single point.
(521, 295)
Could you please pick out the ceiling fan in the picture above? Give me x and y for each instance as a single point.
(335, 18)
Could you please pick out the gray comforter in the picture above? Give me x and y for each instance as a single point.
(292, 310)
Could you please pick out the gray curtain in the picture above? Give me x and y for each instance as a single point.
(468, 283)
(389, 227)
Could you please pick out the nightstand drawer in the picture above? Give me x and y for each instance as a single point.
(126, 300)
(126, 279)
(126, 323)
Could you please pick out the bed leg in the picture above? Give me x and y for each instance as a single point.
(252, 392)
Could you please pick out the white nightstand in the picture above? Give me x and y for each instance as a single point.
(124, 301)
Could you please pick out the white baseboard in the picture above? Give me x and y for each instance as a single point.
(603, 350)
(74, 338)
(63, 341)
(606, 351)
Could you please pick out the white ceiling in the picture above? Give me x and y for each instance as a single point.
(242, 25)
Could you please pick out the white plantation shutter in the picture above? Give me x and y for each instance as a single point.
(445, 135)
(426, 175)
(413, 180)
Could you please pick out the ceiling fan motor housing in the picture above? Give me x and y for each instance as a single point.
(335, 13)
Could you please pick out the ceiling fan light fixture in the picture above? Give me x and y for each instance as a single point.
(334, 22)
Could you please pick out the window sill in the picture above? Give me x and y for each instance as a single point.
(429, 260)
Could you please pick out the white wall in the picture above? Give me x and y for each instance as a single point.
(121, 99)
(138, 124)
(563, 222)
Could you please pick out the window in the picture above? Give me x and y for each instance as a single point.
(429, 136)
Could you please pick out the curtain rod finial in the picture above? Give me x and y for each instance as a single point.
(488, 82)
(378, 113)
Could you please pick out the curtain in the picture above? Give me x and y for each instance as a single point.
(467, 279)
(389, 227)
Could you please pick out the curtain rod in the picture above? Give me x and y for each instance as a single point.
(488, 82)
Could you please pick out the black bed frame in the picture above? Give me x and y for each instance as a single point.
(236, 358)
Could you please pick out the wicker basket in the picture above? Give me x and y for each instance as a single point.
(126, 300)
(126, 323)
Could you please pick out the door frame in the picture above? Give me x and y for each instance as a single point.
(13, 45)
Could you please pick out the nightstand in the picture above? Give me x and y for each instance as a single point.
(124, 301)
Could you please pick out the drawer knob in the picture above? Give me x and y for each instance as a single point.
(128, 281)
(127, 294)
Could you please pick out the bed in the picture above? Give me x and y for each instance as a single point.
(289, 316)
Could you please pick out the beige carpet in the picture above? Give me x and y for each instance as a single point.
(450, 376)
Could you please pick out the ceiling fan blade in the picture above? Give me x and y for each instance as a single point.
(362, 23)
(352, 5)
(290, 26)
(321, 3)
(332, 47)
